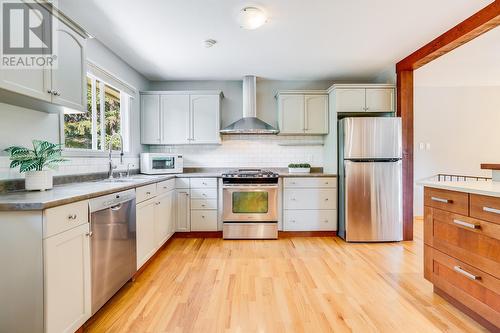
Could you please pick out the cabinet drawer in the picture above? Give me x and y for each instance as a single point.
(203, 204)
(203, 220)
(144, 193)
(472, 287)
(62, 218)
(485, 208)
(473, 241)
(310, 220)
(181, 182)
(318, 182)
(203, 193)
(304, 198)
(203, 182)
(451, 201)
(165, 186)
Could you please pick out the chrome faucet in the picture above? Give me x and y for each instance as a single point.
(111, 165)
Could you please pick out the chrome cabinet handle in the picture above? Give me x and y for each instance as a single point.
(72, 217)
(468, 275)
(203, 216)
(202, 205)
(441, 200)
(326, 221)
(148, 193)
(491, 210)
(467, 224)
(326, 199)
(50, 91)
(89, 234)
(293, 221)
(57, 93)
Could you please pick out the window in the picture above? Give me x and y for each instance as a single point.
(106, 114)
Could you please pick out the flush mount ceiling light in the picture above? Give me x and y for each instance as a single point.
(252, 18)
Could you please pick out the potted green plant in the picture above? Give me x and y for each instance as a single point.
(33, 162)
(299, 168)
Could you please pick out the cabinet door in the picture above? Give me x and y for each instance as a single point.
(350, 100)
(291, 114)
(183, 221)
(150, 119)
(380, 100)
(163, 215)
(316, 114)
(67, 280)
(175, 119)
(146, 241)
(69, 78)
(205, 119)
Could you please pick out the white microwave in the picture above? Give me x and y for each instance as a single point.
(160, 163)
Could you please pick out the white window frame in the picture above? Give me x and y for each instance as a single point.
(125, 110)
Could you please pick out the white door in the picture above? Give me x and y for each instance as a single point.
(316, 114)
(380, 100)
(291, 114)
(69, 84)
(183, 221)
(205, 119)
(150, 119)
(350, 100)
(146, 241)
(175, 119)
(163, 217)
(67, 290)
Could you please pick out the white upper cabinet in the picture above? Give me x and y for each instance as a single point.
(69, 87)
(205, 119)
(183, 117)
(175, 124)
(364, 98)
(302, 113)
(30, 82)
(380, 100)
(150, 116)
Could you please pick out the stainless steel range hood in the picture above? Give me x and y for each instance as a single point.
(249, 124)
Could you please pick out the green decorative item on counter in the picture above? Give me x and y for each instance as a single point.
(33, 162)
(299, 168)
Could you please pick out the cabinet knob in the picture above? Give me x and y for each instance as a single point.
(293, 199)
(89, 234)
(148, 193)
(326, 221)
(203, 216)
(72, 217)
(293, 221)
(50, 91)
(57, 93)
(326, 199)
(202, 205)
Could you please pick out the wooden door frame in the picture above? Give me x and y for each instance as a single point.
(481, 22)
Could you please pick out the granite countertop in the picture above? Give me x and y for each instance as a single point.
(72, 192)
(482, 187)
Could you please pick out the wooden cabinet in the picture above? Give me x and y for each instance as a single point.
(183, 218)
(354, 98)
(303, 113)
(462, 249)
(180, 117)
(310, 204)
(67, 280)
(145, 231)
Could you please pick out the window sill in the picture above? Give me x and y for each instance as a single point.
(93, 153)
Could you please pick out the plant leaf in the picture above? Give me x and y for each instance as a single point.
(29, 165)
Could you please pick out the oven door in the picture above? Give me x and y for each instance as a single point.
(250, 203)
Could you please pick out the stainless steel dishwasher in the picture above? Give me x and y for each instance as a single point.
(113, 248)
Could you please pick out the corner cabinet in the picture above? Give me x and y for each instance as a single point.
(181, 117)
(303, 112)
(356, 98)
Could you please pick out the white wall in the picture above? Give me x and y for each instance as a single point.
(462, 126)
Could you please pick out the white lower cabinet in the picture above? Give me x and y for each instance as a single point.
(67, 280)
(183, 219)
(204, 220)
(164, 217)
(310, 220)
(145, 231)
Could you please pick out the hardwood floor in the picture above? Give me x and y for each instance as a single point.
(301, 284)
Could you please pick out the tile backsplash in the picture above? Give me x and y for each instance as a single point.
(251, 151)
(74, 166)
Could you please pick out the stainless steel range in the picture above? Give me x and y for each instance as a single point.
(250, 204)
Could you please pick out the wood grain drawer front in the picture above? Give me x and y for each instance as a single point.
(165, 186)
(203, 182)
(310, 220)
(472, 287)
(203, 193)
(203, 220)
(456, 202)
(203, 204)
(310, 182)
(485, 208)
(182, 182)
(62, 218)
(473, 241)
(144, 193)
(301, 198)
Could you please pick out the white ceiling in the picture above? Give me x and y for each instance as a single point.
(306, 40)
(476, 63)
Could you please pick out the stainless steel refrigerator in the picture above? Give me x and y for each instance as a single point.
(370, 179)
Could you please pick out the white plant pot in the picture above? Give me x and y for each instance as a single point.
(299, 170)
(38, 180)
